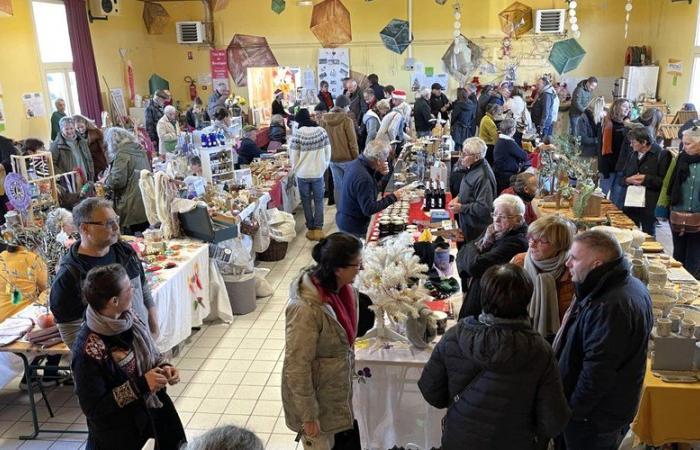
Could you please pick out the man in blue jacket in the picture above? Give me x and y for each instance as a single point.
(602, 344)
(359, 193)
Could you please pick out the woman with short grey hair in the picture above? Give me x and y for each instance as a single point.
(508, 158)
(71, 153)
(228, 437)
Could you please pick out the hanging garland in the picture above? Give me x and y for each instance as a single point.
(457, 25)
(573, 19)
(628, 10)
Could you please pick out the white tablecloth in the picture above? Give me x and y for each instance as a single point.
(389, 407)
(183, 295)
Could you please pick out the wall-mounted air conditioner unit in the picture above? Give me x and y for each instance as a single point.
(104, 7)
(190, 33)
(550, 21)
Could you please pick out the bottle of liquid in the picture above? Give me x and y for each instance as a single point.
(433, 196)
(426, 197)
(443, 195)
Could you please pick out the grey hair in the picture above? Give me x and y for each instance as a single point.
(277, 119)
(228, 437)
(601, 242)
(56, 218)
(693, 134)
(116, 136)
(65, 121)
(474, 145)
(384, 105)
(58, 100)
(377, 150)
(83, 211)
(513, 202)
(425, 93)
(507, 127)
(168, 109)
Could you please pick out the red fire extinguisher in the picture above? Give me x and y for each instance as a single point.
(193, 87)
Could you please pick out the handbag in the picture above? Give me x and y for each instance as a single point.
(348, 439)
(685, 222)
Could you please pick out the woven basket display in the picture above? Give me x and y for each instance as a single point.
(275, 252)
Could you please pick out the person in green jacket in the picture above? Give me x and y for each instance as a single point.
(662, 210)
(57, 116)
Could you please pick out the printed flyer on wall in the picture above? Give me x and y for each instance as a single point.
(333, 66)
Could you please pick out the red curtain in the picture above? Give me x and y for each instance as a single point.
(84, 60)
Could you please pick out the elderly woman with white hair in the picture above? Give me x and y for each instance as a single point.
(477, 189)
(167, 131)
(71, 153)
(502, 240)
(422, 114)
(358, 200)
(373, 119)
(128, 159)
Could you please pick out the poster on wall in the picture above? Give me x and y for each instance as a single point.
(2, 111)
(419, 80)
(333, 66)
(117, 97)
(33, 103)
(219, 69)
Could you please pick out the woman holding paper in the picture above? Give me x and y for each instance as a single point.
(643, 176)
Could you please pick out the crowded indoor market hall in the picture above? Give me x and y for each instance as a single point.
(350, 224)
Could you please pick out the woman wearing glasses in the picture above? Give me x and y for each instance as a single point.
(549, 240)
(321, 326)
(127, 160)
(503, 239)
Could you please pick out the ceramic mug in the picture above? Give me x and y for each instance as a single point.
(687, 328)
(675, 322)
(658, 313)
(663, 327)
(680, 312)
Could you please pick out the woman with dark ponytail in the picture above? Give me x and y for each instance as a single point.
(321, 326)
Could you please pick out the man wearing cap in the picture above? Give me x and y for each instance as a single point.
(154, 112)
(439, 104)
(217, 98)
(277, 106)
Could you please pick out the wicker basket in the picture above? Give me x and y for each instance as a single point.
(275, 252)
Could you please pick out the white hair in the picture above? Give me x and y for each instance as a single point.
(377, 150)
(169, 109)
(474, 145)
(693, 134)
(115, 137)
(425, 93)
(57, 218)
(65, 121)
(512, 202)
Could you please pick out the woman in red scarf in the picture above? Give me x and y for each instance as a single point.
(321, 326)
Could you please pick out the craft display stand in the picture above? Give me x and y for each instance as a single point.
(217, 164)
(38, 171)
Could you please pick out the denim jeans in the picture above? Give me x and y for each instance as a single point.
(547, 131)
(311, 193)
(584, 436)
(607, 183)
(338, 171)
(617, 191)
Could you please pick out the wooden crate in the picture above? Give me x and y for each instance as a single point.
(682, 117)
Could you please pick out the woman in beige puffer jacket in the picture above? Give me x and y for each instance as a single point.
(321, 326)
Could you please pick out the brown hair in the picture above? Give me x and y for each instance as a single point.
(506, 291)
(556, 229)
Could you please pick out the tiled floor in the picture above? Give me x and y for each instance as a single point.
(230, 373)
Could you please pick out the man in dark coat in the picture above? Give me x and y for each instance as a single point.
(439, 104)
(56, 116)
(496, 376)
(602, 343)
(154, 112)
(375, 86)
(422, 114)
(581, 98)
(646, 166)
(541, 112)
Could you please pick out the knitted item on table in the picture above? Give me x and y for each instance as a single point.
(148, 195)
(164, 196)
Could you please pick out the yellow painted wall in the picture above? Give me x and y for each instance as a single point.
(20, 72)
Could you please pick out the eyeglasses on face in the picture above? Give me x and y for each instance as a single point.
(499, 217)
(107, 224)
(537, 240)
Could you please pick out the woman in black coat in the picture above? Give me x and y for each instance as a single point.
(496, 376)
(463, 117)
(503, 239)
(508, 157)
(589, 127)
(120, 376)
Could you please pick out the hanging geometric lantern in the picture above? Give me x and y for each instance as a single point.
(5, 8)
(155, 17)
(462, 58)
(396, 36)
(330, 23)
(516, 19)
(566, 55)
(278, 6)
(248, 51)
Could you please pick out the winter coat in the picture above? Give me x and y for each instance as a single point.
(64, 160)
(278, 108)
(607, 163)
(123, 180)
(541, 111)
(437, 103)
(167, 134)
(602, 350)
(481, 105)
(153, 114)
(341, 132)
(508, 160)
(98, 151)
(505, 381)
(488, 131)
(463, 120)
(371, 122)
(277, 133)
(358, 107)
(422, 115)
(66, 299)
(317, 373)
(247, 151)
(471, 263)
(477, 191)
(591, 134)
(378, 91)
(55, 123)
(358, 199)
(654, 165)
(327, 99)
(580, 99)
(113, 397)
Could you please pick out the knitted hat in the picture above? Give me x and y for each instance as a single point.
(436, 86)
(399, 94)
(342, 101)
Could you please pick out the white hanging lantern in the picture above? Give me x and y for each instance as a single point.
(628, 9)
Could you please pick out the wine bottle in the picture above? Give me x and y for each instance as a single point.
(443, 195)
(433, 196)
(426, 197)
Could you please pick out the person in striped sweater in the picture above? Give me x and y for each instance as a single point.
(310, 156)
